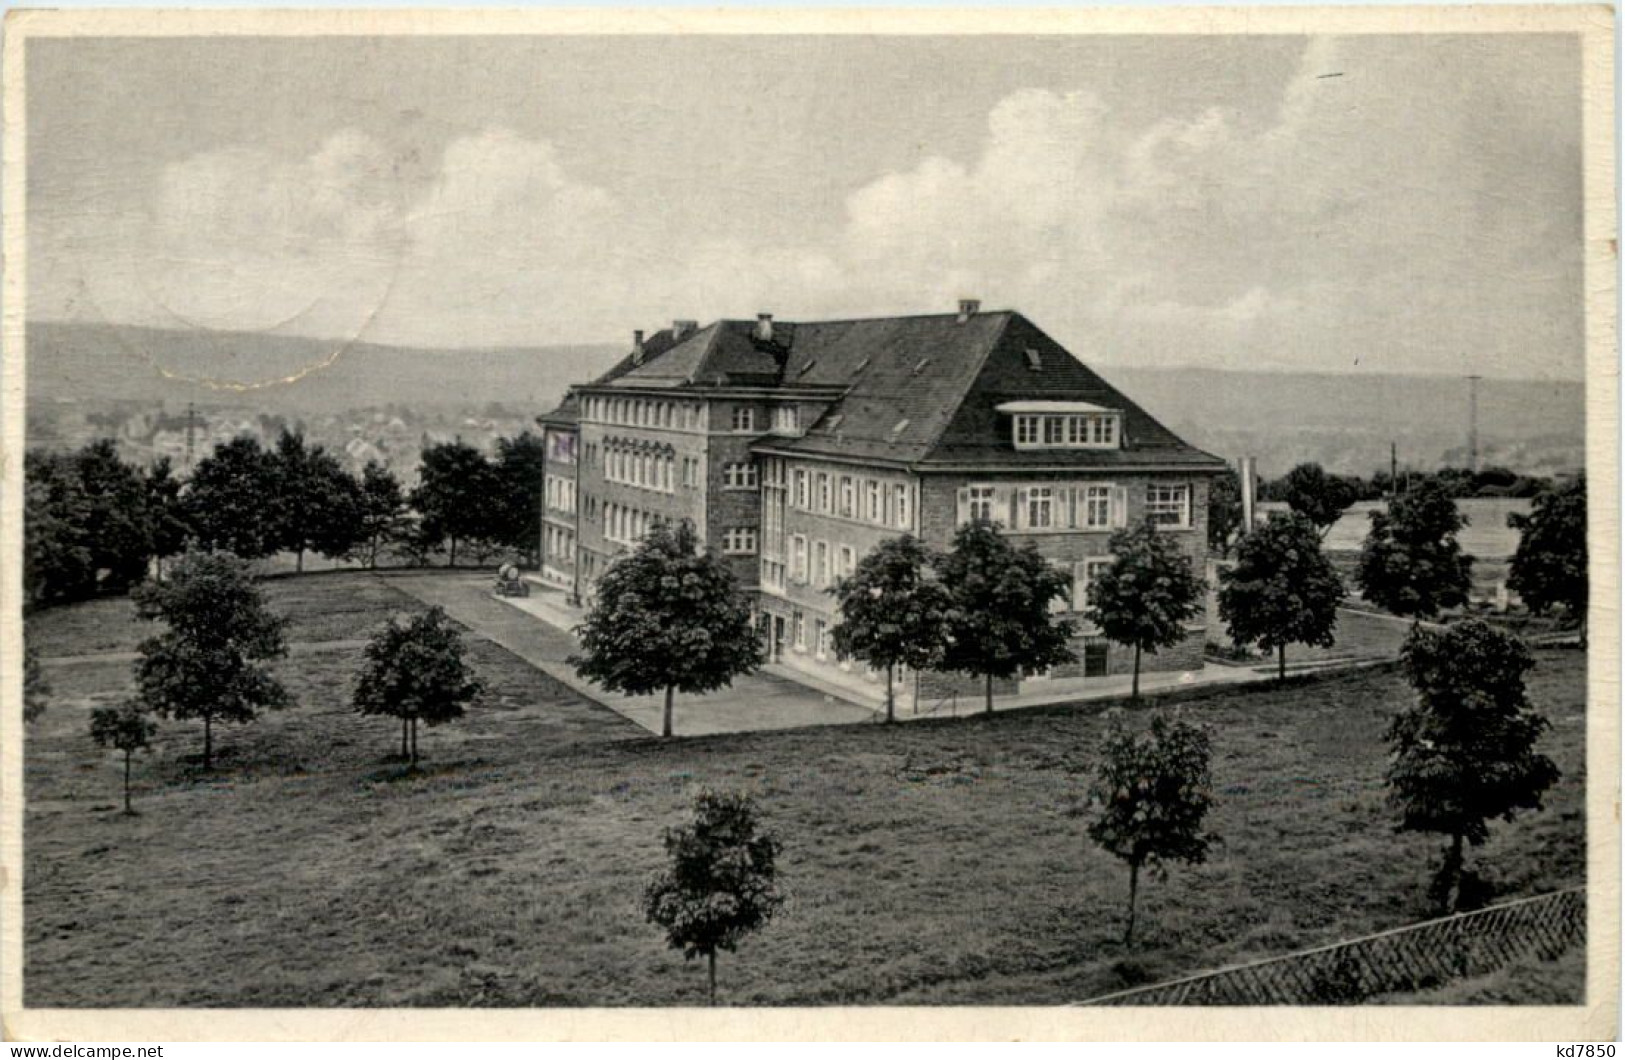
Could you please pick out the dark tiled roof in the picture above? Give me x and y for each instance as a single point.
(978, 435)
(568, 411)
(919, 390)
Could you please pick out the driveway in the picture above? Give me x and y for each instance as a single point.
(533, 629)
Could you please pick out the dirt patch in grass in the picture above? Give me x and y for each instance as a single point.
(930, 863)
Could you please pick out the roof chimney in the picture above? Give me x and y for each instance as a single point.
(637, 347)
(680, 328)
(764, 327)
(968, 308)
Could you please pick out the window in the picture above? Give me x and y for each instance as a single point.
(739, 476)
(1169, 505)
(744, 419)
(979, 507)
(1087, 430)
(823, 492)
(803, 491)
(871, 502)
(821, 564)
(784, 419)
(1083, 575)
(798, 559)
(905, 508)
(772, 575)
(1038, 508)
(1027, 428)
(849, 561)
(798, 631)
(739, 541)
(846, 495)
(819, 626)
(1095, 507)
(691, 471)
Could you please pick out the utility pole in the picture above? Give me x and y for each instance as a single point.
(1393, 470)
(191, 420)
(1472, 421)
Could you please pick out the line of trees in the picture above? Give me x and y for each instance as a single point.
(669, 617)
(95, 523)
(1458, 482)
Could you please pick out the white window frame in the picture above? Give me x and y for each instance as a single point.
(1075, 430)
(871, 501)
(739, 541)
(1029, 428)
(799, 558)
(744, 419)
(983, 496)
(1083, 576)
(1034, 499)
(1157, 507)
(803, 481)
(739, 476)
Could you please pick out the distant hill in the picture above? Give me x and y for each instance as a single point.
(1346, 422)
(1343, 421)
(97, 363)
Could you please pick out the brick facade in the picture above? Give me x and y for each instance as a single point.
(796, 450)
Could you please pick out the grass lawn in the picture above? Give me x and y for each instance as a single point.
(934, 862)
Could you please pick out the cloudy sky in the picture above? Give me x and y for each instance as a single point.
(1342, 204)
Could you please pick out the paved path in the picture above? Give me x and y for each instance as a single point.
(297, 647)
(524, 626)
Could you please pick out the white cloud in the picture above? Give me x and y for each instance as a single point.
(1347, 221)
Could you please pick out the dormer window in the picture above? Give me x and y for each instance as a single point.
(1063, 425)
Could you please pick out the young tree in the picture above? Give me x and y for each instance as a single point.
(1411, 563)
(416, 671)
(1465, 752)
(893, 611)
(233, 501)
(518, 475)
(211, 660)
(1000, 621)
(383, 510)
(126, 728)
(1549, 568)
(1148, 595)
(320, 505)
(1224, 512)
(457, 495)
(670, 616)
(721, 883)
(1153, 791)
(1282, 590)
(1310, 491)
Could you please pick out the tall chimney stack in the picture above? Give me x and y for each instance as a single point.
(968, 308)
(680, 328)
(764, 327)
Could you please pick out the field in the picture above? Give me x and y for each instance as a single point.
(930, 863)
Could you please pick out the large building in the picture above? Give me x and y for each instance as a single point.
(794, 448)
